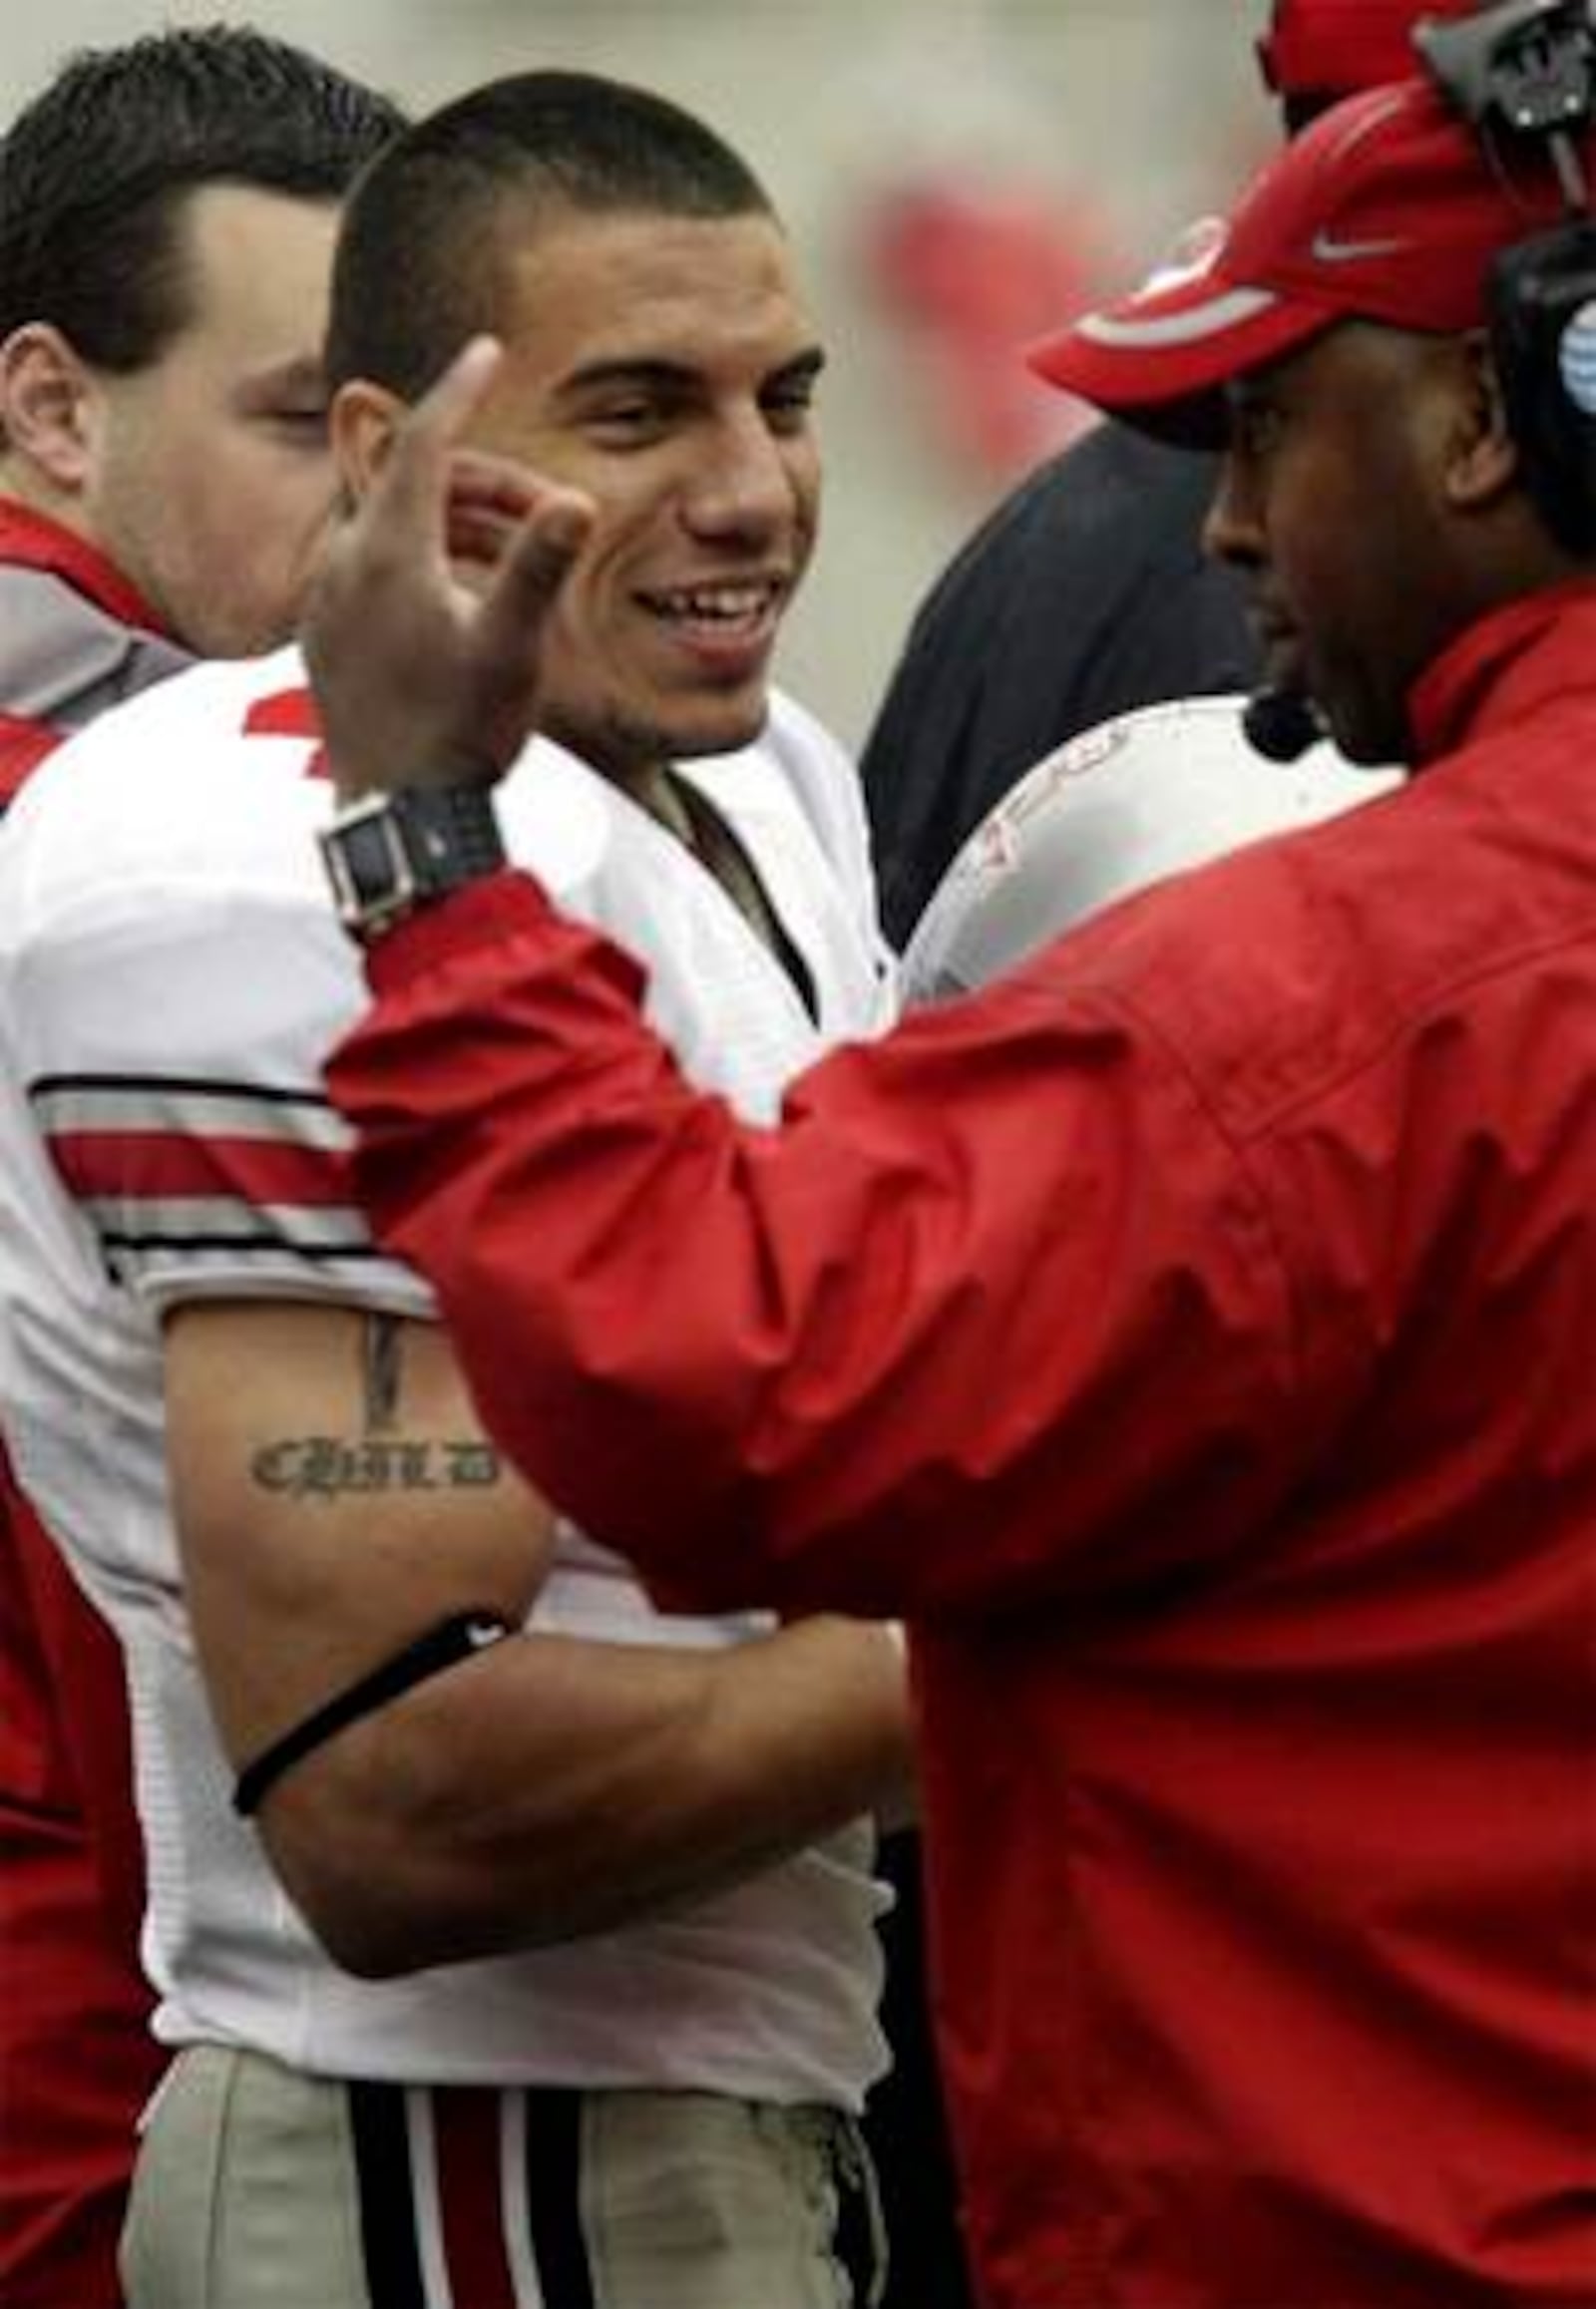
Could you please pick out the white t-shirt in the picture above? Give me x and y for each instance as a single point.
(172, 978)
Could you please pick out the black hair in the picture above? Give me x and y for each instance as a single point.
(423, 257)
(97, 171)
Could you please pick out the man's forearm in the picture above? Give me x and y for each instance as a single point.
(558, 1788)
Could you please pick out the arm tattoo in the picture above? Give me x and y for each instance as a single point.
(380, 1459)
(380, 1371)
(331, 1467)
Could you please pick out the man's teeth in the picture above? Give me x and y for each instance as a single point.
(716, 604)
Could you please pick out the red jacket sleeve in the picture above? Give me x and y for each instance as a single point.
(994, 1314)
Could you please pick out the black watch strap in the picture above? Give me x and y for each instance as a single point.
(393, 852)
(457, 829)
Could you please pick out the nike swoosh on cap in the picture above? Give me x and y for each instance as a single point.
(1326, 248)
(1137, 333)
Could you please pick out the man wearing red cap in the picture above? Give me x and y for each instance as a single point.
(1085, 592)
(1082, 595)
(1190, 1335)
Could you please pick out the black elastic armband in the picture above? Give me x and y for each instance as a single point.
(457, 1639)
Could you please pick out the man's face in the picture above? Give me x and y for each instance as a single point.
(1331, 500)
(212, 478)
(666, 366)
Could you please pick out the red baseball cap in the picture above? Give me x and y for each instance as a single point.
(1388, 208)
(1337, 47)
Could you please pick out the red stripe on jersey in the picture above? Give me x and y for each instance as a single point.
(23, 746)
(466, 2130)
(156, 1166)
(289, 713)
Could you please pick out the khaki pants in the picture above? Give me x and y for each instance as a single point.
(258, 2187)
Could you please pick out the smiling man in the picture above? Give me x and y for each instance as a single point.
(667, 363)
(606, 1876)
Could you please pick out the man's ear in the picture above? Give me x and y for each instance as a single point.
(362, 421)
(1484, 463)
(49, 406)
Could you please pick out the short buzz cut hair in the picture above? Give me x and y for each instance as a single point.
(426, 245)
(97, 171)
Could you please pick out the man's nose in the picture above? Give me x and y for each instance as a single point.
(1232, 531)
(745, 479)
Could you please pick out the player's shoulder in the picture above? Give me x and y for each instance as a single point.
(821, 784)
(217, 712)
(202, 778)
(797, 748)
(799, 742)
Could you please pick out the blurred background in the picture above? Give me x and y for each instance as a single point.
(957, 174)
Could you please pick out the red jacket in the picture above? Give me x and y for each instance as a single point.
(1195, 1337)
(75, 2057)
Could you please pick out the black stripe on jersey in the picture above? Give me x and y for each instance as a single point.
(554, 2196)
(387, 2198)
(192, 1085)
(133, 1246)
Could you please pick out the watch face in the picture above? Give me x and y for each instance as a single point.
(373, 878)
(374, 863)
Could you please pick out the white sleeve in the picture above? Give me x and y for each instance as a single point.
(176, 979)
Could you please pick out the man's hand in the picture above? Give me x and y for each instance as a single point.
(422, 679)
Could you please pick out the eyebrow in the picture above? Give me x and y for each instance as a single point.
(808, 363)
(676, 376)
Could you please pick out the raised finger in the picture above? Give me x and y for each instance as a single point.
(536, 562)
(417, 476)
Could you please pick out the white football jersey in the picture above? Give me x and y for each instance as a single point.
(171, 978)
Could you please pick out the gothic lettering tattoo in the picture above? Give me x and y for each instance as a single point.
(332, 1467)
